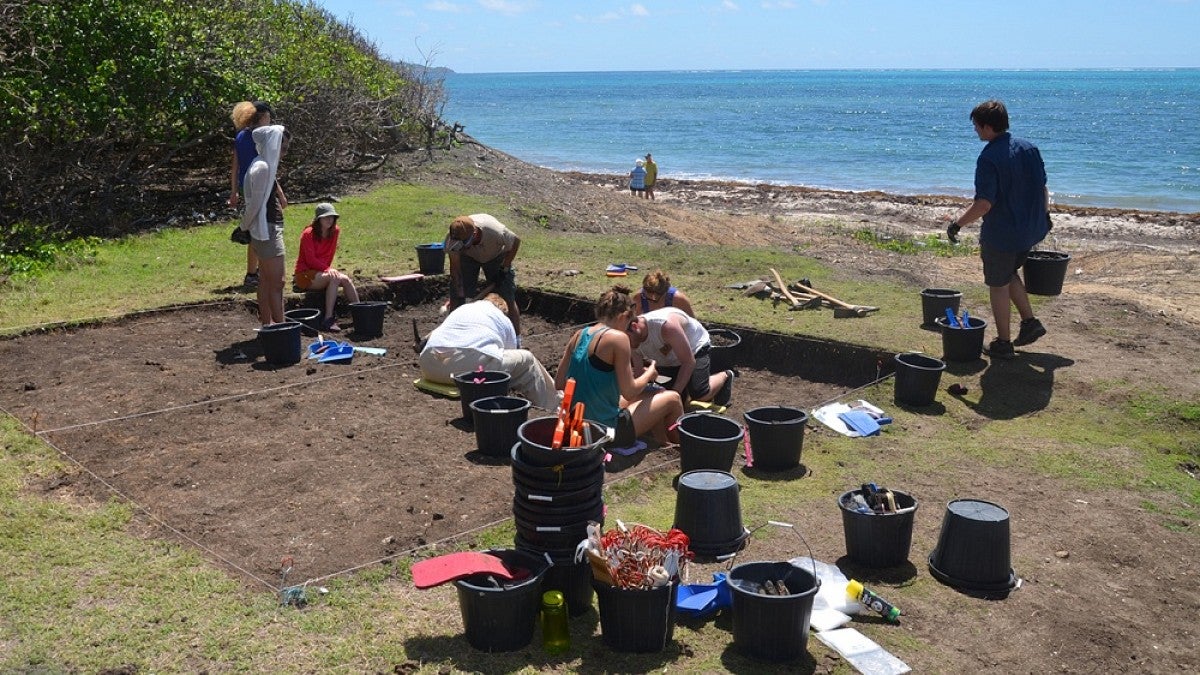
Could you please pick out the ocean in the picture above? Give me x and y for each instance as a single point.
(1116, 138)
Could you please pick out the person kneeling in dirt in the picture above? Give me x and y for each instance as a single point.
(598, 358)
(480, 242)
(480, 334)
(680, 345)
(657, 292)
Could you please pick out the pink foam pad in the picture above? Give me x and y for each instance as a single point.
(454, 566)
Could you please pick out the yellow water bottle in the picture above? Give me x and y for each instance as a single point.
(556, 635)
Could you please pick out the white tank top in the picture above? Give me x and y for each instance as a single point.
(655, 349)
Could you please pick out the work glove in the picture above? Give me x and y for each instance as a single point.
(1049, 223)
(952, 232)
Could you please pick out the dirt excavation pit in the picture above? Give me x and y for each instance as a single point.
(335, 465)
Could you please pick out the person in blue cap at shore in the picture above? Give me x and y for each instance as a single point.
(1012, 198)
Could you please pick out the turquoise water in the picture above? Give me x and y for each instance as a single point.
(1109, 138)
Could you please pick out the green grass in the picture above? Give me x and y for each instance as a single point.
(907, 244)
(81, 592)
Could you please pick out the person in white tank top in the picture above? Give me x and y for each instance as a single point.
(679, 345)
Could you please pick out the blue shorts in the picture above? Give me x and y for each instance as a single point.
(1000, 267)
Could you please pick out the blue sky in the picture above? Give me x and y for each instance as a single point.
(477, 36)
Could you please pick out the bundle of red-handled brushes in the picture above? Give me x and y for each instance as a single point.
(571, 431)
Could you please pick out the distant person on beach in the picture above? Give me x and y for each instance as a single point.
(1012, 198)
(598, 357)
(263, 218)
(480, 334)
(680, 346)
(314, 265)
(637, 178)
(651, 176)
(477, 243)
(247, 116)
(657, 292)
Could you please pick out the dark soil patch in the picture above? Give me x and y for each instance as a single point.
(334, 465)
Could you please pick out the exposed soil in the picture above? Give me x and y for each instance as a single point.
(344, 465)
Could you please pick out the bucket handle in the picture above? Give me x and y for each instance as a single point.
(729, 557)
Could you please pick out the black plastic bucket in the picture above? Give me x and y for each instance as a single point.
(917, 378)
(708, 441)
(962, 344)
(308, 317)
(496, 421)
(572, 579)
(537, 440)
(280, 343)
(1045, 272)
(558, 514)
(562, 477)
(878, 539)
(725, 346)
(490, 383)
(550, 537)
(776, 436)
(431, 258)
(502, 619)
(636, 620)
(973, 550)
(527, 493)
(771, 627)
(708, 510)
(368, 318)
(935, 301)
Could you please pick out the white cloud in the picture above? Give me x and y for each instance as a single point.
(729, 5)
(782, 4)
(442, 6)
(505, 6)
(638, 10)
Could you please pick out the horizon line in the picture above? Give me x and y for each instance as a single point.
(1047, 69)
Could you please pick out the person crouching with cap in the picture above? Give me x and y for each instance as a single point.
(477, 243)
(314, 270)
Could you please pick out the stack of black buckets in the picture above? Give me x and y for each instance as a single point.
(557, 492)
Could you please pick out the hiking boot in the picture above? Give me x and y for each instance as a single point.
(331, 326)
(725, 393)
(1000, 349)
(250, 280)
(1031, 330)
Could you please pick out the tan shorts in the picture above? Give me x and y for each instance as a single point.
(270, 248)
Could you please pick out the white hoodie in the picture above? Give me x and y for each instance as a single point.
(260, 180)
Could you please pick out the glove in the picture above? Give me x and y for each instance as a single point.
(1049, 223)
(952, 232)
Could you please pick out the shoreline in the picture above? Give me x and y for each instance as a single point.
(666, 183)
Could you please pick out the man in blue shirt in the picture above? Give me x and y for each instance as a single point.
(1012, 198)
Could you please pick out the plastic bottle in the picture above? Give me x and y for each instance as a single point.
(856, 590)
(556, 635)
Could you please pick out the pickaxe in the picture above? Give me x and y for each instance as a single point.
(841, 310)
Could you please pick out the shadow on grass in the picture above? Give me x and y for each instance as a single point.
(1010, 389)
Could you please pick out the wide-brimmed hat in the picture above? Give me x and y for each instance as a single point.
(326, 209)
(639, 161)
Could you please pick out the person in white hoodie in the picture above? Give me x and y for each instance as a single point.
(263, 218)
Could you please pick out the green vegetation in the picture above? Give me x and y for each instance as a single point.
(907, 244)
(114, 114)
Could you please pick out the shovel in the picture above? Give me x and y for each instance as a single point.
(841, 310)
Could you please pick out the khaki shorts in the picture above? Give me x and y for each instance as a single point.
(270, 248)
